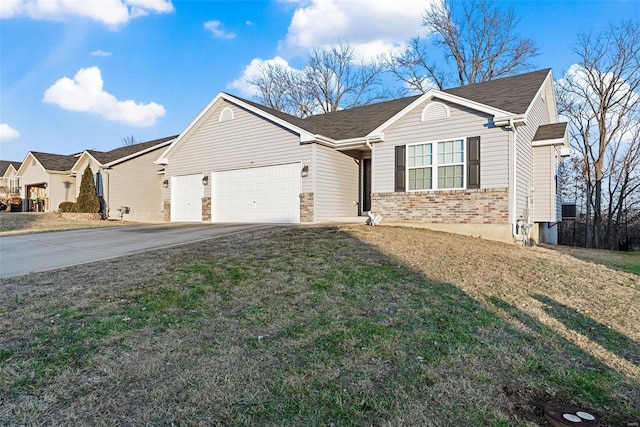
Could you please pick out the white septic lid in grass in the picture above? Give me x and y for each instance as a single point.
(585, 416)
(572, 418)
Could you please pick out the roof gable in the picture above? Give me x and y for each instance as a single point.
(128, 151)
(7, 165)
(504, 97)
(52, 162)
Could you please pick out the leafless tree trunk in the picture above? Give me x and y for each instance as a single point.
(332, 80)
(599, 94)
(477, 41)
(623, 182)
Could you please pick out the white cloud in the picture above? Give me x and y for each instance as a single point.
(369, 27)
(85, 93)
(217, 31)
(7, 132)
(251, 71)
(112, 13)
(100, 52)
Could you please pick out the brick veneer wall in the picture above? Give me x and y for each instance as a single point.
(307, 205)
(167, 210)
(206, 209)
(485, 206)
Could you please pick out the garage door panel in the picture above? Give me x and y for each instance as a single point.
(186, 198)
(266, 194)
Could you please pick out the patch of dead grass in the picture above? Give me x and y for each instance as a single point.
(31, 222)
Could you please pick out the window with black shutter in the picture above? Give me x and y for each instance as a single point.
(400, 168)
(473, 162)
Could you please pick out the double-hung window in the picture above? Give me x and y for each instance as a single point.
(436, 165)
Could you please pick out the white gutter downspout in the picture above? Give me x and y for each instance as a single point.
(514, 202)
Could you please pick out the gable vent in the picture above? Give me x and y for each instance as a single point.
(226, 114)
(435, 111)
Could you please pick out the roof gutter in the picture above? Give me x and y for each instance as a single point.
(346, 144)
(510, 121)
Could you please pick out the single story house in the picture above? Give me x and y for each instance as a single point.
(9, 182)
(127, 179)
(46, 180)
(481, 160)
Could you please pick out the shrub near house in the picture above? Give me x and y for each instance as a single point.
(88, 201)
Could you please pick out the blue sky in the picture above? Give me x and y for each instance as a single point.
(78, 74)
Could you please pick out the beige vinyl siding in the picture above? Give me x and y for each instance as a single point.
(61, 188)
(545, 189)
(557, 164)
(242, 142)
(33, 173)
(136, 184)
(538, 115)
(336, 184)
(462, 122)
(57, 191)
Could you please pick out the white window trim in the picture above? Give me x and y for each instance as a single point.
(434, 164)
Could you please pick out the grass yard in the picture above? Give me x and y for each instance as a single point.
(322, 326)
(31, 222)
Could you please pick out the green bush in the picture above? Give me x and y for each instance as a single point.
(88, 201)
(66, 207)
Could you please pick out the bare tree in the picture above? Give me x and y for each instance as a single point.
(599, 96)
(331, 80)
(336, 81)
(129, 140)
(473, 39)
(623, 178)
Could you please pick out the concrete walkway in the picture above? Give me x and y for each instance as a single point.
(28, 253)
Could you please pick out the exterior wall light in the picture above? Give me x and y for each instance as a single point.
(305, 171)
(205, 180)
(165, 183)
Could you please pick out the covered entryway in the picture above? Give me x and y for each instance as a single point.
(269, 194)
(186, 198)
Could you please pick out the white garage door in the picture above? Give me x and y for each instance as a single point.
(268, 194)
(186, 198)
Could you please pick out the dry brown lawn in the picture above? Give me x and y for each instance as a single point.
(327, 326)
(31, 222)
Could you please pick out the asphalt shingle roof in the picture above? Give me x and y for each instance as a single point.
(55, 162)
(512, 94)
(126, 151)
(551, 131)
(4, 165)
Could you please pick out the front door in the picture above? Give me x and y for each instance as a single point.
(366, 185)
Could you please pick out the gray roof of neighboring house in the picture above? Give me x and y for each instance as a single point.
(551, 131)
(4, 165)
(127, 150)
(513, 94)
(55, 162)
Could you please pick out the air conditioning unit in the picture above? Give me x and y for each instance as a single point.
(568, 211)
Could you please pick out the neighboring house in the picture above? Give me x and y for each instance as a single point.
(9, 182)
(480, 160)
(127, 179)
(46, 180)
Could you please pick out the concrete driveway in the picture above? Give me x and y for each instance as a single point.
(28, 253)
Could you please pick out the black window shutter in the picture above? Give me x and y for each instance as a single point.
(473, 162)
(400, 168)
